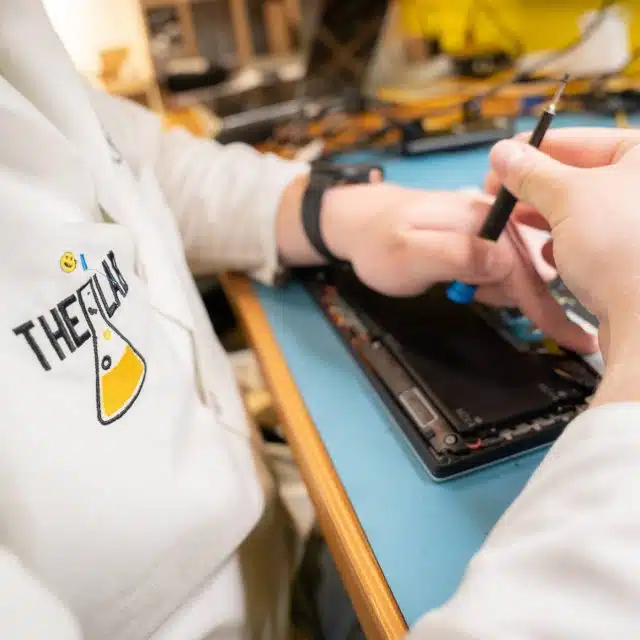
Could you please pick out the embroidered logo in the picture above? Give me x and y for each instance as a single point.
(68, 262)
(120, 369)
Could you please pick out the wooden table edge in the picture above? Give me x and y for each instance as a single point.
(366, 585)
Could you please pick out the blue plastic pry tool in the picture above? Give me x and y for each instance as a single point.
(83, 262)
(461, 293)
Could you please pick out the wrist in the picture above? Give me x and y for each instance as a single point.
(333, 222)
(320, 214)
(620, 342)
(344, 215)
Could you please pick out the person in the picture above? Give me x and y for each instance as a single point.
(562, 561)
(134, 499)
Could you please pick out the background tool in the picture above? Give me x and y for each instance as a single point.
(505, 202)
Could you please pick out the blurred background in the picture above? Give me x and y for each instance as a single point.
(199, 61)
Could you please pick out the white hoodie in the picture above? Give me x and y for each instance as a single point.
(127, 481)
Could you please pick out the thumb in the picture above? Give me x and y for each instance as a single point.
(533, 177)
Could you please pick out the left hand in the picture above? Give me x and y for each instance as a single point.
(402, 241)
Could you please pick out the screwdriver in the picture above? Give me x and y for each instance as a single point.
(505, 201)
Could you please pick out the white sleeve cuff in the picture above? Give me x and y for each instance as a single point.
(282, 173)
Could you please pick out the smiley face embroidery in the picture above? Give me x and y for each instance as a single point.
(68, 262)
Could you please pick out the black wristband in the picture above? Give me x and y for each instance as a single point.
(311, 213)
(324, 176)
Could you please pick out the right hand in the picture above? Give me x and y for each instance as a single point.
(584, 186)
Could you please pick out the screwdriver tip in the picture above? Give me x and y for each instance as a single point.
(559, 92)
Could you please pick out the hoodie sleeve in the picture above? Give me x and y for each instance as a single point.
(225, 197)
(563, 561)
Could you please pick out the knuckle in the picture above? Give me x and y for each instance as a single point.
(562, 194)
(397, 240)
(525, 178)
(491, 184)
(467, 257)
(624, 146)
(476, 259)
(552, 194)
(564, 197)
(456, 255)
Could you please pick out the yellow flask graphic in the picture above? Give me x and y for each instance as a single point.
(120, 369)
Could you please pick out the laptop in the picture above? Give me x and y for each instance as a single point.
(467, 385)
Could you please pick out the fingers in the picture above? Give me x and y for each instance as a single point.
(586, 147)
(532, 296)
(534, 178)
(452, 211)
(420, 258)
(442, 256)
(537, 303)
(533, 241)
(583, 147)
(531, 218)
(547, 254)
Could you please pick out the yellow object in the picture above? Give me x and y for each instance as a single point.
(552, 347)
(111, 61)
(540, 25)
(119, 369)
(198, 120)
(119, 384)
(68, 262)
(448, 21)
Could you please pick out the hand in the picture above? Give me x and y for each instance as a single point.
(585, 192)
(401, 241)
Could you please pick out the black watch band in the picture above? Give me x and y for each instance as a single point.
(311, 218)
(322, 178)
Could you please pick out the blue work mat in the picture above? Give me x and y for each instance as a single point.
(422, 533)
